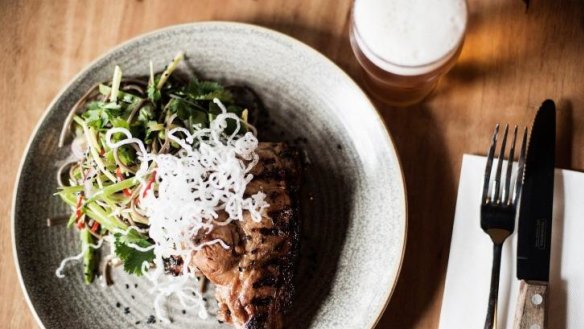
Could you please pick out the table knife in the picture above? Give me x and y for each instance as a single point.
(535, 221)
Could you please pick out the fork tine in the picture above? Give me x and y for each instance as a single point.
(497, 181)
(505, 195)
(490, 156)
(521, 169)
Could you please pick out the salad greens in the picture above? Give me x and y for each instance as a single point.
(100, 186)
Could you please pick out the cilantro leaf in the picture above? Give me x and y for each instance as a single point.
(182, 109)
(146, 113)
(120, 123)
(99, 114)
(152, 127)
(153, 92)
(127, 155)
(207, 90)
(132, 258)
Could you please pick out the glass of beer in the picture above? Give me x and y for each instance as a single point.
(405, 46)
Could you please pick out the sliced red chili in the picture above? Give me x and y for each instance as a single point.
(95, 226)
(126, 191)
(149, 184)
(78, 211)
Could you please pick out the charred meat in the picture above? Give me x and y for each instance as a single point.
(253, 277)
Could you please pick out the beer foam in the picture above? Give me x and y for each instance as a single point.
(409, 36)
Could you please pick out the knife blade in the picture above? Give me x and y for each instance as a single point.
(535, 221)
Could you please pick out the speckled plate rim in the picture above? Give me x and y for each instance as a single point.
(281, 36)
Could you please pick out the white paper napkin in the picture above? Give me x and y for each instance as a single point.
(464, 305)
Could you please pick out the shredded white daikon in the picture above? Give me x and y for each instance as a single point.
(207, 176)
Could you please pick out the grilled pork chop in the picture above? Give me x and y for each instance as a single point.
(253, 277)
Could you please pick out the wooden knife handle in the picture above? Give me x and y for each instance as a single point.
(531, 306)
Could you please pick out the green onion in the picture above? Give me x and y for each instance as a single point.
(113, 188)
(94, 147)
(171, 67)
(97, 213)
(116, 80)
(88, 255)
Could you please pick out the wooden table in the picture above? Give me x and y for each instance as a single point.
(511, 62)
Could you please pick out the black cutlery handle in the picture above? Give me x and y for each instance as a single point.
(494, 291)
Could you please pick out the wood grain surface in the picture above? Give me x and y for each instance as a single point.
(531, 309)
(512, 60)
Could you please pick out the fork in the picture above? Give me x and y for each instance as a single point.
(499, 206)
